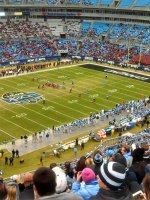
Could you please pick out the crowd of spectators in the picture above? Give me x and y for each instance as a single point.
(22, 29)
(118, 172)
(27, 40)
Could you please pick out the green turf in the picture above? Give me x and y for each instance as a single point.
(61, 106)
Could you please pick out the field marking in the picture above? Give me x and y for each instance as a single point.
(24, 117)
(7, 133)
(16, 124)
(29, 108)
(97, 103)
(44, 70)
(93, 79)
(138, 93)
(110, 85)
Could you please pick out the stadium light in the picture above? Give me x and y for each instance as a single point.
(18, 13)
(2, 14)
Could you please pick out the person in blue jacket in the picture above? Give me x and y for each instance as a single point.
(88, 187)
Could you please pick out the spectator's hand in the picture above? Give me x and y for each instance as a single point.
(79, 176)
(143, 196)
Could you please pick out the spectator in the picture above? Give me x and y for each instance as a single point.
(111, 181)
(11, 193)
(52, 165)
(127, 154)
(131, 178)
(98, 160)
(25, 183)
(75, 150)
(6, 160)
(146, 184)
(45, 186)
(61, 180)
(90, 187)
(82, 145)
(3, 191)
(138, 166)
(11, 161)
(17, 153)
(89, 163)
(69, 174)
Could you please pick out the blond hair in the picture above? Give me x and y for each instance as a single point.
(89, 162)
(11, 193)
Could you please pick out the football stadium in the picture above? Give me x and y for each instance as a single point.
(74, 99)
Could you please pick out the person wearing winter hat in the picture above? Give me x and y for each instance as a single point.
(44, 180)
(111, 181)
(61, 180)
(98, 160)
(88, 187)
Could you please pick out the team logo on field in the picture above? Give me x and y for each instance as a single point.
(21, 97)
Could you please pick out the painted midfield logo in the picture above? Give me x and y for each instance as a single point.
(21, 97)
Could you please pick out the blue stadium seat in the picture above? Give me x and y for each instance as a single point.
(142, 3)
(105, 2)
(126, 3)
(73, 2)
(100, 28)
(90, 2)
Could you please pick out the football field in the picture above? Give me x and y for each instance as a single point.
(36, 101)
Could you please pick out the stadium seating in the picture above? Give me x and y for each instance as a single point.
(100, 28)
(126, 3)
(90, 2)
(105, 2)
(73, 2)
(141, 3)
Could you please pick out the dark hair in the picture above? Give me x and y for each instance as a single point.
(3, 190)
(138, 155)
(117, 157)
(69, 170)
(81, 164)
(52, 165)
(44, 180)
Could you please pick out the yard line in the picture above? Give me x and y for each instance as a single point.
(120, 80)
(16, 124)
(42, 106)
(83, 87)
(89, 79)
(7, 133)
(111, 101)
(24, 117)
(96, 91)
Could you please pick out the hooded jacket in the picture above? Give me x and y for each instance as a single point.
(86, 190)
(121, 194)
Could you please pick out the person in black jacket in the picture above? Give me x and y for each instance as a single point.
(111, 179)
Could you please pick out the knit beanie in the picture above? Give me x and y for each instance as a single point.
(112, 174)
(88, 175)
(98, 159)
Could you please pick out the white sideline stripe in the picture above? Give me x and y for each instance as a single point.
(44, 70)
(7, 133)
